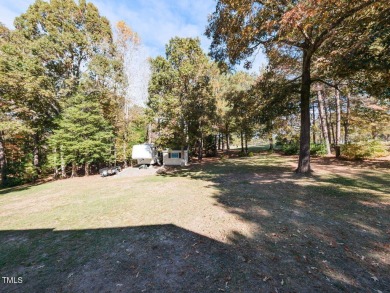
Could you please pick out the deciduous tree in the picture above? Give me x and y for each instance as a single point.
(291, 30)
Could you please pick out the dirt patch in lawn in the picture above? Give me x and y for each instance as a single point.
(231, 225)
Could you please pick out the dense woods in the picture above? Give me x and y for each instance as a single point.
(63, 92)
(64, 89)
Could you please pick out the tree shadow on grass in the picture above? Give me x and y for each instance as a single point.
(317, 233)
(27, 186)
(160, 258)
(6, 190)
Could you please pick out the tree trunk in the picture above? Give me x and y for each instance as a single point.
(55, 164)
(219, 141)
(184, 136)
(36, 154)
(314, 124)
(200, 149)
(346, 124)
(3, 161)
(271, 143)
(332, 130)
(326, 120)
(246, 144)
(115, 152)
(63, 172)
(227, 141)
(222, 143)
(338, 118)
(242, 142)
(149, 133)
(323, 120)
(304, 142)
(74, 170)
(125, 151)
(86, 169)
(328, 110)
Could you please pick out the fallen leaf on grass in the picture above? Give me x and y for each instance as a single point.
(374, 278)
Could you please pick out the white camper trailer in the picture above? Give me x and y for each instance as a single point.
(145, 154)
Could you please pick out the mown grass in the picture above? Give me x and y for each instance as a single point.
(253, 214)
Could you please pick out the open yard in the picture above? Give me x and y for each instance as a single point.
(233, 225)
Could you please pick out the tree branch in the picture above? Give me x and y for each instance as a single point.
(292, 80)
(322, 37)
(325, 82)
(291, 43)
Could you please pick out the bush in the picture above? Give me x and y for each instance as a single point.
(317, 149)
(12, 181)
(30, 173)
(363, 150)
(251, 154)
(210, 146)
(290, 149)
(224, 157)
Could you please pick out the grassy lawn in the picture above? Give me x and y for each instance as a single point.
(231, 225)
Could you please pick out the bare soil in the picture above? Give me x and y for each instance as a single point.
(222, 225)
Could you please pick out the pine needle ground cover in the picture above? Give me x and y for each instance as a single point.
(228, 225)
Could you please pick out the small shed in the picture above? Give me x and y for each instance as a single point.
(174, 157)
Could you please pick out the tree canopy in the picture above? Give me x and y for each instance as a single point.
(292, 34)
(180, 93)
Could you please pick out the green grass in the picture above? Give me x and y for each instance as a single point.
(51, 231)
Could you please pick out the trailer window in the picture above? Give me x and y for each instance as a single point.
(175, 155)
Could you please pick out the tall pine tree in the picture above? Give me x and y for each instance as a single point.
(83, 135)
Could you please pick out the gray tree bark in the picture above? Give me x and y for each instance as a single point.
(314, 124)
(321, 112)
(74, 170)
(338, 118)
(86, 168)
(304, 140)
(63, 171)
(346, 124)
(3, 161)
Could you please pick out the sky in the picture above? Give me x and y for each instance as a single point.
(156, 21)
